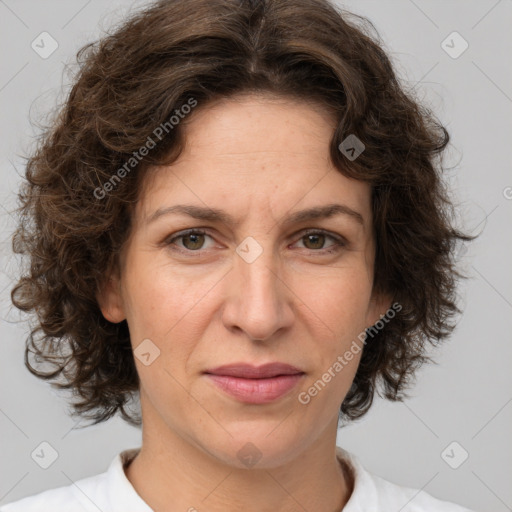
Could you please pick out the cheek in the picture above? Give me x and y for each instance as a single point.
(337, 342)
(161, 298)
(339, 298)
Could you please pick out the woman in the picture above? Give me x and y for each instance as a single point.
(239, 218)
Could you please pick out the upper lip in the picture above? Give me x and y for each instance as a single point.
(249, 371)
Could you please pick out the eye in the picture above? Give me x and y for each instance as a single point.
(315, 239)
(192, 240)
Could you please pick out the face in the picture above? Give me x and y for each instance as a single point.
(256, 284)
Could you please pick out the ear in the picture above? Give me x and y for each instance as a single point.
(379, 304)
(110, 300)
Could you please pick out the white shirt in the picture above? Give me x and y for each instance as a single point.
(112, 492)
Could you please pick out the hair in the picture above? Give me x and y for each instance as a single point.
(132, 81)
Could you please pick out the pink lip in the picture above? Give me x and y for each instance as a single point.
(256, 385)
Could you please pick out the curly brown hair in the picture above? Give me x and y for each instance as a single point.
(131, 81)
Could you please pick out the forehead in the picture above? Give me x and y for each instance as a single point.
(254, 151)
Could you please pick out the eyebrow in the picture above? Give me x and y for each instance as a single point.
(216, 215)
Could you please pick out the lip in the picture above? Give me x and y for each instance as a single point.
(255, 384)
(249, 371)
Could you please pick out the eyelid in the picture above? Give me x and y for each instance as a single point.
(330, 234)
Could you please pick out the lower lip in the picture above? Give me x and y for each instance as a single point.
(256, 391)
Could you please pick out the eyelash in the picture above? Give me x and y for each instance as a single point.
(340, 242)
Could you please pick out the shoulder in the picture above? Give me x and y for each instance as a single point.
(106, 491)
(372, 492)
(82, 496)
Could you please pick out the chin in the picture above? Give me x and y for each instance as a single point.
(255, 445)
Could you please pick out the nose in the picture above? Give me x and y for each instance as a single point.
(259, 301)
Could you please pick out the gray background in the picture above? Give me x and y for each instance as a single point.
(465, 398)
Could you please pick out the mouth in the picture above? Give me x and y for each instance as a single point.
(255, 384)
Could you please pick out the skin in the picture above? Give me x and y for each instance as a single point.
(259, 158)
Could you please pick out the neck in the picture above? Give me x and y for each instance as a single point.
(172, 473)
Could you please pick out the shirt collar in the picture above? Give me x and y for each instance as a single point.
(122, 495)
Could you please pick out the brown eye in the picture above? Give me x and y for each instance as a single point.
(196, 241)
(314, 241)
(191, 241)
